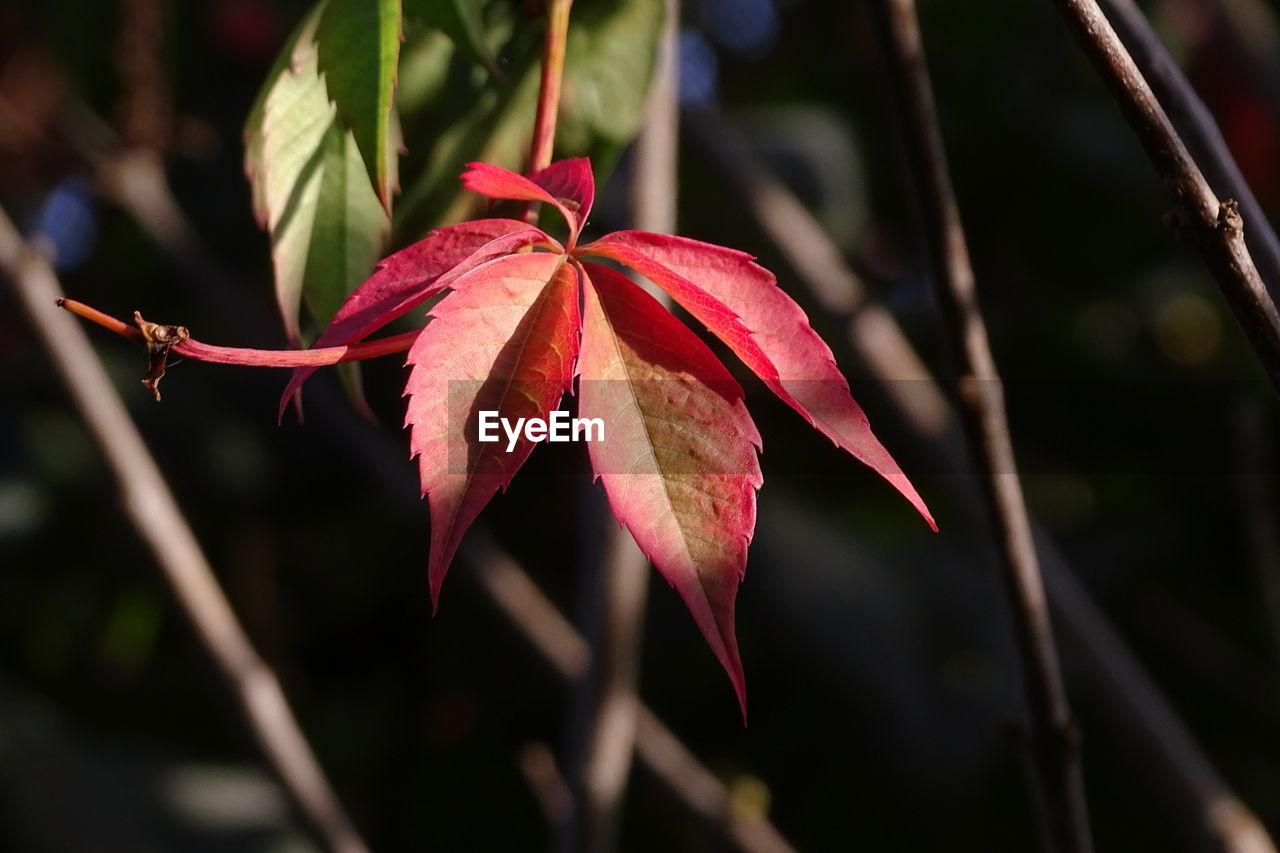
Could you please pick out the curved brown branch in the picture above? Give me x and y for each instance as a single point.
(1196, 125)
(151, 507)
(1213, 225)
(510, 589)
(1133, 703)
(1052, 736)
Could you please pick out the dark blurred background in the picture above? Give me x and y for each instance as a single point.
(885, 705)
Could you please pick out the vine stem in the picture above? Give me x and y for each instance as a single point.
(1053, 738)
(544, 124)
(200, 351)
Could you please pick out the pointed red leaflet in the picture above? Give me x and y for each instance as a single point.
(496, 182)
(571, 180)
(678, 461)
(719, 319)
(804, 372)
(408, 278)
(505, 340)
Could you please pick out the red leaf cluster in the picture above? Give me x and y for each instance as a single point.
(524, 314)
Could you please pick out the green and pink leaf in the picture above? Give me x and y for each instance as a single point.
(783, 349)
(678, 462)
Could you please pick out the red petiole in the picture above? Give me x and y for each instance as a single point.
(192, 348)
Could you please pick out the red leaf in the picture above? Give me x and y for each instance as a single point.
(571, 181)
(504, 340)
(409, 277)
(723, 322)
(496, 182)
(804, 371)
(678, 461)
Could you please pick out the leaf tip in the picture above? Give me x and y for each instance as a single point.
(908, 491)
(740, 688)
(436, 569)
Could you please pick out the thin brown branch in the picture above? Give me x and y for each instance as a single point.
(1133, 704)
(542, 775)
(1214, 226)
(1052, 736)
(1227, 668)
(151, 508)
(659, 751)
(653, 187)
(603, 718)
(1146, 722)
(1196, 125)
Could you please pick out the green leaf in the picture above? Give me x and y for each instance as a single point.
(310, 190)
(460, 20)
(344, 248)
(609, 61)
(358, 43)
(608, 65)
(424, 67)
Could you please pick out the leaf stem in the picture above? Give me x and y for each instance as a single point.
(200, 351)
(318, 357)
(544, 125)
(106, 321)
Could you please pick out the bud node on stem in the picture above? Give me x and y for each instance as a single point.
(160, 339)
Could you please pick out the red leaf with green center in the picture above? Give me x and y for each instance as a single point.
(803, 370)
(505, 341)
(678, 461)
(408, 278)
